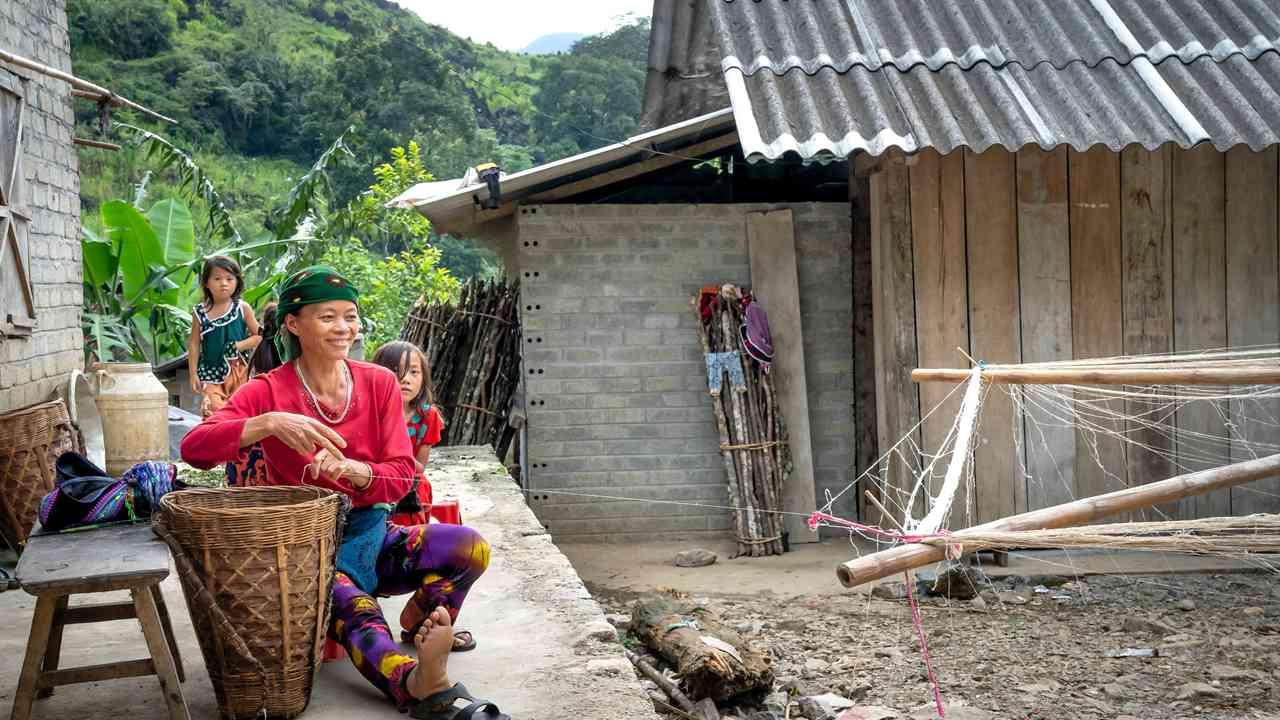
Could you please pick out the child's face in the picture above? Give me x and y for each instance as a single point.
(221, 285)
(411, 383)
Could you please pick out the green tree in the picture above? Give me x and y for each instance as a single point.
(587, 102)
(629, 43)
(131, 29)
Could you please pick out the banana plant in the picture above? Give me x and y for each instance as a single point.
(142, 279)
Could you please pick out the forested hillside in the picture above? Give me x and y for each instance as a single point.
(260, 88)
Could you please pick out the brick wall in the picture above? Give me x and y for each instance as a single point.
(617, 398)
(30, 367)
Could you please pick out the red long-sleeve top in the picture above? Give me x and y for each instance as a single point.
(373, 428)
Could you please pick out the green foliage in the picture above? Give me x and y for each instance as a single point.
(629, 43)
(306, 196)
(138, 281)
(384, 229)
(260, 89)
(130, 29)
(192, 180)
(597, 101)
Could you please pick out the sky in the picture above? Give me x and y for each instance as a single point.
(513, 24)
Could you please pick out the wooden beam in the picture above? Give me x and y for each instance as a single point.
(905, 557)
(83, 85)
(865, 165)
(99, 612)
(97, 673)
(478, 216)
(86, 142)
(1203, 375)
(657, 162)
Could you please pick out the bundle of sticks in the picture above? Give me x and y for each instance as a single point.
(474, 349)
(753, 437)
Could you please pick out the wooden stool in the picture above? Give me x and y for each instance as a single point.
(56, 566)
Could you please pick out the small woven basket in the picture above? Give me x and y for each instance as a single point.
(256, 566)
(31, 439)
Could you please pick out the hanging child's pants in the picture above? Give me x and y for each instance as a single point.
(438, 564)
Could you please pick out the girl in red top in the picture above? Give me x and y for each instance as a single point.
(425, 425)
(329, 421)
(424, 422)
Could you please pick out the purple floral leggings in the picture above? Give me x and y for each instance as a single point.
(438, 564)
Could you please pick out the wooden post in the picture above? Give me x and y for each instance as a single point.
(771, 245)
(899, 559)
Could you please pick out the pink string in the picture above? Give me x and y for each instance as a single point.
(871, 530)
(819, 517)
(924, 644)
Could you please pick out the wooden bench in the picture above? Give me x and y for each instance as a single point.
(56, 566)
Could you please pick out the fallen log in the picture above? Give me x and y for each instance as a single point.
(712, 660)
(905, 557)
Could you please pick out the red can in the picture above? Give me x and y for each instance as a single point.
(447, 511)
(333, 651)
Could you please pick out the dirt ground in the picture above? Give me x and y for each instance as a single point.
(1032, 646)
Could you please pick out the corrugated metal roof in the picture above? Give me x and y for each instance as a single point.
(1235, 102)
(684, 79)
(813, 34)
(453, 205)
(820, 78)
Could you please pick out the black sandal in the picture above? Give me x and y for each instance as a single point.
(406, 637)
(455, 704)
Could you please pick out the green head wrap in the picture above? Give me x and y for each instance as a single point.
(316, 284)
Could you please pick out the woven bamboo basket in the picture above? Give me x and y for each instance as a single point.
(256, 566)
(31, 439)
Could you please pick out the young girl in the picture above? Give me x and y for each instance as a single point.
(425, 425)
(424, 421)
(223, 330)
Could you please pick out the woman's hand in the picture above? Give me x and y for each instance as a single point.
(335, 468)
(306, 435)
(196, 385)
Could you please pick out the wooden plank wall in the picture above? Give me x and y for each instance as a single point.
(893, 290)
(1253, 300)
(1044, 266)
(941, 286)
(1040, 256)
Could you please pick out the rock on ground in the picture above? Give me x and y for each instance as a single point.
(695, 558)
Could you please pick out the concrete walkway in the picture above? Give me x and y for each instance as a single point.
(540, 654)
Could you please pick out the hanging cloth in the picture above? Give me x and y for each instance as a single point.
(754, 332)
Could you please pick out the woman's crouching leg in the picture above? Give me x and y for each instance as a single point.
(358, 624)
(437, 563)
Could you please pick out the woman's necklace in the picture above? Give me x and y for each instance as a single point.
(315, 402)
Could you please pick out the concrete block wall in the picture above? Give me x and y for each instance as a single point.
(30, 367)
(616, 382)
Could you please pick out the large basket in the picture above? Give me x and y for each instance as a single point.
(256, 566)
(31, 440)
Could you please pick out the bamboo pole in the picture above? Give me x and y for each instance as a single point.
(895, 560)
(662, 681)
(86, 142)
(80, 84)
(1014, 374)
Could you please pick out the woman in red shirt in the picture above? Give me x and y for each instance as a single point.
(325, 420)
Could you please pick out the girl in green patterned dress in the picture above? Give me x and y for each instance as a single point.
(223, 332)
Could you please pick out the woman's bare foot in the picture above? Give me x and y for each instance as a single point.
(434, 641)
